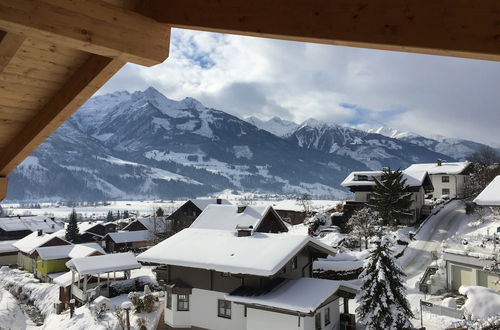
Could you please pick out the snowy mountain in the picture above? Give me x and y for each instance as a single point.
(144, 145)
(459, 149)
(373, 150)
(275, 125)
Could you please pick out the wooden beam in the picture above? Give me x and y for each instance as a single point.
(80, 86)
(463, 28)
(93, 26)
(3, 187)
(9, 45)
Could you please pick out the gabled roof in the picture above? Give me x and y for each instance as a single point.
(130, 236)
(260, 254)
(153, 224)
(226, 217)
(444, 168)
(104, 264)
(84, 226)
(7, 246)
(303, 295)
(203, 203)
(33, 223)
(413, 178)
(68, 251)
(29, 243)
(490, 196)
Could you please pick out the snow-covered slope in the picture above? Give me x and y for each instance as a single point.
(275, 125)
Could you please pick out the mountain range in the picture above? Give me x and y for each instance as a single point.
(143, 145)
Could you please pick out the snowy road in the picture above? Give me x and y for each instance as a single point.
(438, 228)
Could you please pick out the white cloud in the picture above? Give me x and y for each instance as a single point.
(253, 76)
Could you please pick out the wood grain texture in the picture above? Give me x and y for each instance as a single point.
(3, 187)
(463, 28)
(92, 26)
(82, 84)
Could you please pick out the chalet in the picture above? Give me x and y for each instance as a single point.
(87, 272)
(448, 179)
(51, 260)
(27, 245)
(14, 228)
(242, 279)
(122, 241)
(184, 216)
(153, 224)
(91, 231)
(262, 219)
(362, 184)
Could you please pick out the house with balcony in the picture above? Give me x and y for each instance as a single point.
(362, 185)
(244, 279)
(448, 179)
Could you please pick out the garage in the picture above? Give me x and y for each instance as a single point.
(461, 276)
(488, 280)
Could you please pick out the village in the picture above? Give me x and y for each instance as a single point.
(245, 264)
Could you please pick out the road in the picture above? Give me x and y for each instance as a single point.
(439, 227)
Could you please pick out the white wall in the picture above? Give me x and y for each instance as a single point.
(175, 318)
(456, 185)
(262, 320)
(204, 312)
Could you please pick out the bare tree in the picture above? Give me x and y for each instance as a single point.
(365, 223)
(305, 201)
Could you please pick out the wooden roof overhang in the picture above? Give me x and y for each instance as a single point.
(54, 54)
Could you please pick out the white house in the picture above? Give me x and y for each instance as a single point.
(362, 184)
(243, 279)
(447, 178)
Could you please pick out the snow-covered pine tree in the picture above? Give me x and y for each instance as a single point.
(109, 217)
(364, 223)
(72, 228)
(382, 304)
(391, 197)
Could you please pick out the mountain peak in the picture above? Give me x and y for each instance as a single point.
(190, 102)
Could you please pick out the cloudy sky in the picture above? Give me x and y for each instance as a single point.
(296, 81)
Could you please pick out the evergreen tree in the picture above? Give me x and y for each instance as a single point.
(125, 214)
(72, 228)
(391, 197)
(382, 304)
(160, 212)
(118, 215)
(364, 223)
(109, 217)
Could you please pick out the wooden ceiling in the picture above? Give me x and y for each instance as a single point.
(55, 54)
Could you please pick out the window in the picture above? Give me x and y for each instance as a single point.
(445, 178)
(445, 191)
(317, 321)
(182, 302)
(224, 308)
(294, 262)
(368, 197)
(169, 300)
(327, 315)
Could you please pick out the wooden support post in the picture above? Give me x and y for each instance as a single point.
(3, 187)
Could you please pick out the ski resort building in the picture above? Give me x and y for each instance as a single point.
(362, 184)
(222, 273)
(448, 179)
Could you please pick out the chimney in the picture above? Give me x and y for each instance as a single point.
(440, 162)
(40, 232)
(244, 231)
(241, 209)
(219, 201)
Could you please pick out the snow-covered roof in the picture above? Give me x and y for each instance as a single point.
(33, 223)
(203, 203)
(303, 295)
(226, 217)
(29, 243)
(153, 224)
(223, 251)
(63, 280)
(104, 264)
(413, 178)
(83, 226)
(6, 246)
(490, 196)
(444, 168)
(68, 251)
(130, 236)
